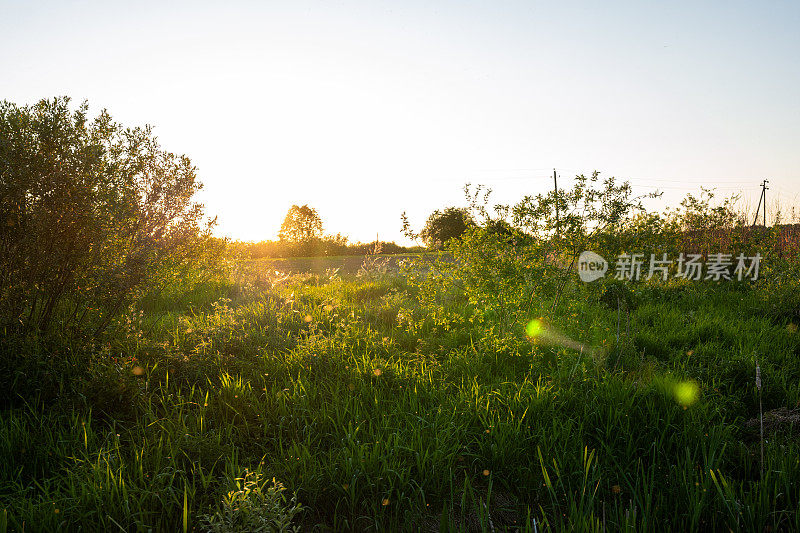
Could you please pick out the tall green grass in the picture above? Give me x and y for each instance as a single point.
(375, 417)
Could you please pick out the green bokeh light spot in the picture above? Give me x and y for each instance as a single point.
(686, 393)
(534, 328)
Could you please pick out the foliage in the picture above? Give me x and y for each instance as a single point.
(591, 214)
(301, 225)
(378, 415)
(91, 214)
(254, 505)
(373, 265)
(481, 279)
(441, 226)
(697, 213)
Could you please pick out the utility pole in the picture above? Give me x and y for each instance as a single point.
(758, 208)
(555, 187)
(762, 199)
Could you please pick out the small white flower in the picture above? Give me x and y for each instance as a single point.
(758, 376)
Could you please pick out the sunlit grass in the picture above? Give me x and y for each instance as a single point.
(372, 426)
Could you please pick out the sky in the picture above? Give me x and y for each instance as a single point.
(364, 110)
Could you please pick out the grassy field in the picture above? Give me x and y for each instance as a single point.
(330, 403)
(345, 264)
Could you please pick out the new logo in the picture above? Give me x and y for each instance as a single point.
(591, 266)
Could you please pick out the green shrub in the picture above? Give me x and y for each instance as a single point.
(91, 214)
(254, 505)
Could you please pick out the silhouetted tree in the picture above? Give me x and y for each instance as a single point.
(442, 226)
(301, 225)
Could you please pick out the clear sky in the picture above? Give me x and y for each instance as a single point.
(364, 110)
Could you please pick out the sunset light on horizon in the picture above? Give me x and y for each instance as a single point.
(365, 110)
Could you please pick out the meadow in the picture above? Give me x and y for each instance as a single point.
(343, 264)
(400, 401)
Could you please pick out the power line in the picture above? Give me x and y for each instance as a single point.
(688, 187)
(691, 183)
(512, 169)
(689, 180)
(681, 180)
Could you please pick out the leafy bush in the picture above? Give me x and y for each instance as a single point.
(254, 505)
(91, 214)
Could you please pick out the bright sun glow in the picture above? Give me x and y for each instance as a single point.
(366, 110)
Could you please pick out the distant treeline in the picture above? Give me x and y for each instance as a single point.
(331, 245)
(786, 237)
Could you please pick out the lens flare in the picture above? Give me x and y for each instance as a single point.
(686, 393)
(534, 328)
(539, 332)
